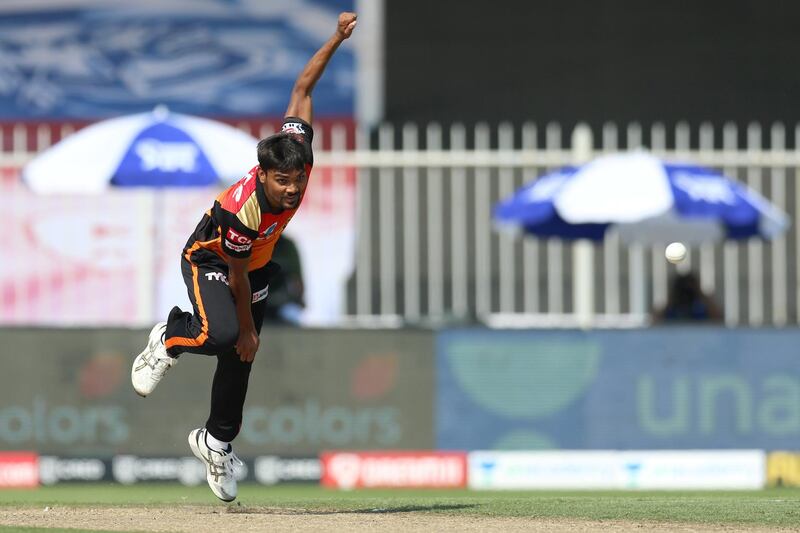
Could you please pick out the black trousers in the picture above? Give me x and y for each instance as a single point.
(212, 328)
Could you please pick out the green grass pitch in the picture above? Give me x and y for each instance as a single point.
(772, 507)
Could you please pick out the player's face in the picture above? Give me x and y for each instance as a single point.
(283, 188)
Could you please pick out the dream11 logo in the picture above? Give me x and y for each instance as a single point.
(167, 156)
(19, 469)
(434, 469)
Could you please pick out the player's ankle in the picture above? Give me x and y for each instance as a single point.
(216, 444)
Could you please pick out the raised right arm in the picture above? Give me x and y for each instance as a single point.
(300, 105)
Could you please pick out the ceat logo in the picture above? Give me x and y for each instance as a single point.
(345, 468)
(238, 238)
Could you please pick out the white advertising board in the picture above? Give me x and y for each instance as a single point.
(653, 470)
(114, 259)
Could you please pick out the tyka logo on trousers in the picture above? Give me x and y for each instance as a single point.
(217, 276)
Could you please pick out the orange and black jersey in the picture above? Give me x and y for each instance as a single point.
(239, 224)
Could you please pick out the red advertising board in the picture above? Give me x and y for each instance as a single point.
(19, 469)
(431, 469)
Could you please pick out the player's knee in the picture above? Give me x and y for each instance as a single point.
(224, 337)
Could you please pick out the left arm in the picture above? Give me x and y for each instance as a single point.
(248, 341)
(300, 100)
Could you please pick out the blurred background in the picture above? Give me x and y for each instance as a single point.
(408, 322)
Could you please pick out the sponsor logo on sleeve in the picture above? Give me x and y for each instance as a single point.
(293, 127)
(260, 295)
(237, 242)
(237, 247)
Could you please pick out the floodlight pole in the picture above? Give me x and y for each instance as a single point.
(582, 250)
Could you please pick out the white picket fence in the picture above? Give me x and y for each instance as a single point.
(427, 252)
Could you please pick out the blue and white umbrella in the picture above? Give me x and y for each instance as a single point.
(157, 149)
(644, 199)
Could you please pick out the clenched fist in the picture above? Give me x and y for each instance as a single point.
(346, 24)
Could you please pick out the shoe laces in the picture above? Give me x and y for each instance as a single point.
(159, 363)
(161, 367)
(231, 461)
(225, 465)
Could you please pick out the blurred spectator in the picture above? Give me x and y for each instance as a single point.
(285, 301)
(686, 302)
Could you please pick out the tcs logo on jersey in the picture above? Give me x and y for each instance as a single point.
(237, 242)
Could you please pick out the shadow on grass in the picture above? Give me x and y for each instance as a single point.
(245, 509)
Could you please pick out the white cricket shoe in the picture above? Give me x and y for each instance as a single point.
(220, 466)
(150, 365)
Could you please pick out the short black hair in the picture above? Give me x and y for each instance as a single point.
(281, 152)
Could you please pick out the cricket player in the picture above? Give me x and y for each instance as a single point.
(226, 267)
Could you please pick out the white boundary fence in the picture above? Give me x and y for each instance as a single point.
(427, 253)
(427, 250)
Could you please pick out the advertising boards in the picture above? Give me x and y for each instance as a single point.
(783, 469)
(658, 389)
(274, 469)
(19, 470)
(309, 390)
(131, 469)
(407, 469)
(53, 469)
(586, 470)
